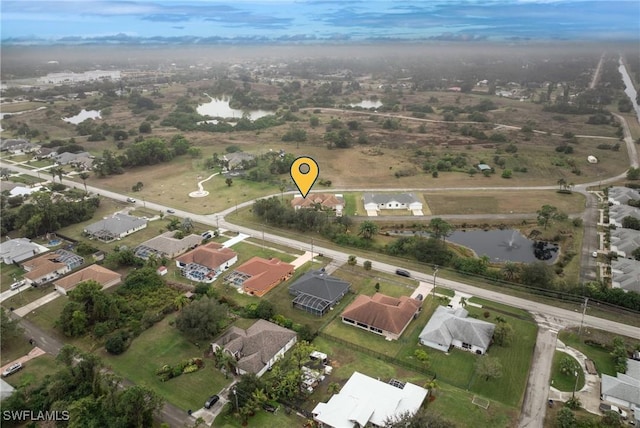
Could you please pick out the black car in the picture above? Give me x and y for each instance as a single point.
(403, 272)
(211, 401)
(170, 211)
(269, 408)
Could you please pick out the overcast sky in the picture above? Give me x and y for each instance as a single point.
(74, 20)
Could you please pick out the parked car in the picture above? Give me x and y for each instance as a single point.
(211, 401)
(594, 254)
(11, 369)
(611, 408)
(208, 234)
(171, 211)
(403, 272)
(419, 297)
(131, 200)
(17, 284)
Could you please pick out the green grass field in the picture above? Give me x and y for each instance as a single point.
(164, 344)
(15, 348)
(600, 356)
(248, 250)
(562, 381)
(33, 371)
(9, 274)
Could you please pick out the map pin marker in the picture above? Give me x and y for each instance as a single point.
(304, 172)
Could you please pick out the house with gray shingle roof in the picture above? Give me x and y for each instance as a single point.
(116, 227)
(257, 348)
(316, 292)
(451, 327)
(166, 245)
(618, 212)
(17, 146)
(622, 195)
(391, 201)
(19, 249)
(624, 241)
(624, 389)
(625, 274)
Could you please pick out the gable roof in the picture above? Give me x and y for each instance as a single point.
(618, 212)
(264, 273)
(625, 240)
(91, 273)
(385, 198)
(625, 274)
(19, 249)
(621, 195)
(211, 255)
(448, 324)
(326, 200)
(256, 345)
(319, 284)
(117, 224)
(624, 386)
(383, 312)
(43, 265)
(364, 400)
(167, 245)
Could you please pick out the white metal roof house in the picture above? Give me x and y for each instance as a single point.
(451, 327)
(365, 401)
(624, 389)
(374, 202)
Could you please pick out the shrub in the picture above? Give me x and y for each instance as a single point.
(117, 343)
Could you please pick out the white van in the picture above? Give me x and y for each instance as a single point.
(17, 284)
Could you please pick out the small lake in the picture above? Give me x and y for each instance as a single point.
(82, 116)
(629, 89)
(505, 245)
(219, 107)
(367, 104)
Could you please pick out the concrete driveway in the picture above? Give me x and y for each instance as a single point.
(36, 304)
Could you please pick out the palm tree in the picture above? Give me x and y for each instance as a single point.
(181, 301)
(59, 172)
(84, 176)
(510, 271)
(368, 229)
(562, 183)
(283, 187)
(463, 302)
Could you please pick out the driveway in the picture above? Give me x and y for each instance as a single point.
(35, 352)
(36, 304)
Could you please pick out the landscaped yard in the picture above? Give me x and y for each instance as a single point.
(261, 419)
(164, 344)
(562, 381)
(600, 355)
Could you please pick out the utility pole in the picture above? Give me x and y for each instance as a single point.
(235, 394)
(584, 310)
(575, 372)
(435, 272)
(311, 251)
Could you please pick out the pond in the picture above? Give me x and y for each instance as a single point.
(82, 116)
(367, 104)
(505, 245)
(219, 107)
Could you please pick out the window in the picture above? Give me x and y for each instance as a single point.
(466, 345)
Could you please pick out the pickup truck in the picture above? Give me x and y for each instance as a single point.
(611, 408)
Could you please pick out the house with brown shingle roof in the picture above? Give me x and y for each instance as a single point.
(50, 266)
(105, 277)
(381, 314)
(206, 262)
(256, 348)
(258, 276)
(325, 201)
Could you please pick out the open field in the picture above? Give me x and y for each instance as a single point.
(19, 106)
(164, 344)
(247, 250)
(501, 202)
(563, 381)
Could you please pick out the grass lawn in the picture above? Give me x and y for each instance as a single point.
(9, 274)
(456, 405)
(499, 307)
(445, 291)
(363, 282)
(515, 359)
(248, 250)
(33, 371)
(26, 296)
(273, 245)
(261, 419)
(600, 355)
(562, 381)
(164, 344)
(14, 349)
(350, 203)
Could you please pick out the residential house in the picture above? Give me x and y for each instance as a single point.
(105, 277)
(206, 262)
(325, 201)
(165, 245)
(257, 348)
(46, 153)
(116, 227)
(50, 266)
(258, 276)
(367, 402)
(84, 159)
(316, 292)
(624, 241)
(19, 249)
(618, 212)
(18, 146)
(235, 160)
(624, 389)
(374, 202)
(451, 327)
(625, 274)
(621, 195)
(381, 314)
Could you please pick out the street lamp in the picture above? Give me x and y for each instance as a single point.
(311, 251)
(575, 372)
(435, 272)
(235, 395)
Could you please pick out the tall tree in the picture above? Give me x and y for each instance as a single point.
(368, 229)
(488, 367)
(202, 319)
(84, 176)
(440, 229)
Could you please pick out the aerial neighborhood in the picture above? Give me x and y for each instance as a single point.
(467, 252)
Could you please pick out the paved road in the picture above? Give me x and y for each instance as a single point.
(174, 416)
(596, 74)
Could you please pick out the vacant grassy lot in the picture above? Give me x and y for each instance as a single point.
(563, 381)
(33, 371)
(493, 202)
(248, 250)
(164, 344)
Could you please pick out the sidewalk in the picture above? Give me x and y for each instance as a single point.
(36, 304)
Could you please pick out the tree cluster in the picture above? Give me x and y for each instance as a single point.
(92, 396)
